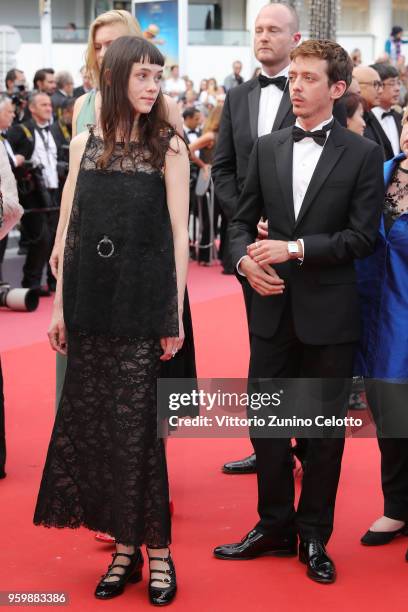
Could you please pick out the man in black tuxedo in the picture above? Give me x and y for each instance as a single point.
(387, 121)
(321, 187)
(374, 96)
(192, 131)
(255, 108)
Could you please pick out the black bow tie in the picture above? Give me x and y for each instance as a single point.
(278, 81)
(45, 128)
(387, 114)
(319, 136)
(191, 132)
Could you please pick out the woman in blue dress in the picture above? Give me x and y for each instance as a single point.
(383, 356)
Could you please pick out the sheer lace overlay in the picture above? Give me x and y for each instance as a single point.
(105, 468)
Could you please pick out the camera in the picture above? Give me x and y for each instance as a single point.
(19, 97)
(24, 300)
(30, 180)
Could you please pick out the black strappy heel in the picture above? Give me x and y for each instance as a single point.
(162, 596)
(132, 573)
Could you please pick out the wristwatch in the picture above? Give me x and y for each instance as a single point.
(293, 250)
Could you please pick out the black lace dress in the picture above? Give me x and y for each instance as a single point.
(105, 468)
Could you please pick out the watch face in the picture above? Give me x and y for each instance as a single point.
(293, 247)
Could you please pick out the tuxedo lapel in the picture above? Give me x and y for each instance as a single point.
(284, 107)
(383, 138)
(284, 167)
(332, 151)
(253, 103)
(398, 122)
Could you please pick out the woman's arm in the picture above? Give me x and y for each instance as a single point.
(56, 332)
(177, 176)
(173, 114)
(202, 142)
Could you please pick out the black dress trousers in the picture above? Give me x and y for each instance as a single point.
(285, 356)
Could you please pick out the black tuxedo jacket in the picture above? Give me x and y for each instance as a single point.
(21, 143)
(375, 132)
(338, 222)
(237, 135)
(79, 91)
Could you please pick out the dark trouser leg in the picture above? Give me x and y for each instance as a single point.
(285, 356)
(388, 403)
(315, 511)
(36, 233)
(51, 219)
(3, 246)
(203, 248)
(192, 216)
(394, 477)
(2, 428)
(273, 358)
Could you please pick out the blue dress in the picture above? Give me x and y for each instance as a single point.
(383, 288)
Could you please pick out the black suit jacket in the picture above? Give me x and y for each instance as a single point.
(21, 143)
(338, 222)
(58, 100)
(375, 132)
(237, 135)
(79, 91)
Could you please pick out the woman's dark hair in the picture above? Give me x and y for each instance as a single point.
(351, 102)
(118, 114)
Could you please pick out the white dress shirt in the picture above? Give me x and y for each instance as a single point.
(306, 154)
(390, 128)
(269, 101)
(45, 154)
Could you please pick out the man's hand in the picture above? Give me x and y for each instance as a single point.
(262, 229)
(269, 251)
(54, 259)
(263, 280)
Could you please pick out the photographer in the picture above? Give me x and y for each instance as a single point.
(65, 89)
(37, 182)
(16, 89)
(10, 212)
(6, 119)
(62, 133)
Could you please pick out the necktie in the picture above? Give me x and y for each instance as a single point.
(319, 136)
(280, 82)
(387, 114)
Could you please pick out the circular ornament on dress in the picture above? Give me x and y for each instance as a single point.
(105, 247)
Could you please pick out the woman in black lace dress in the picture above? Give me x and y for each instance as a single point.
(117, 315)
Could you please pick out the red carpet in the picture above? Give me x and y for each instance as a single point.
(210, 508)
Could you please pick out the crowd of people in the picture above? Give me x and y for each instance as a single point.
(303, 172)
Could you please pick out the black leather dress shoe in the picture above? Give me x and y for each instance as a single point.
(378, 538)
(256, 544)
(320, 567)
(132, 573)
(242, 466)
